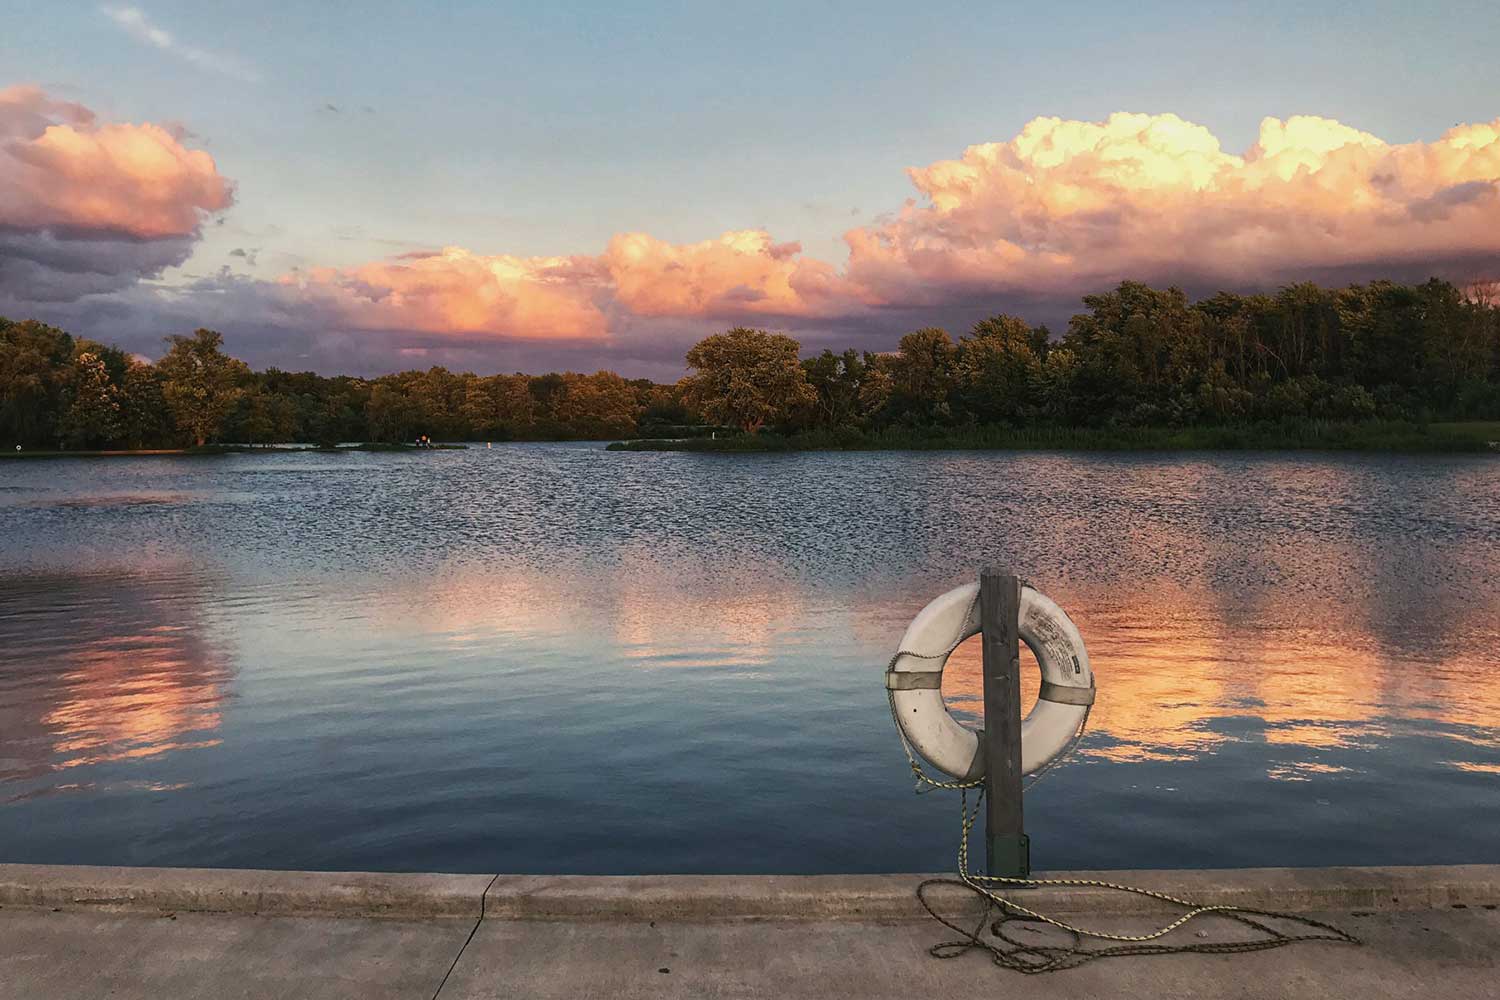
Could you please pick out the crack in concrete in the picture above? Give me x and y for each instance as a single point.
(464, 947)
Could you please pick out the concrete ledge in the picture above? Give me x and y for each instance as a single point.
(703, 897)
(892, 897)
(271, 893)
(715, 897)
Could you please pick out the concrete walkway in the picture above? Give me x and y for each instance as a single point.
(127, 933)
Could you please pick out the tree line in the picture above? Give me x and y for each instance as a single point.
(64, 392)
(1136, 357)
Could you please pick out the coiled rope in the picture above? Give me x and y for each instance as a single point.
(1034, 958)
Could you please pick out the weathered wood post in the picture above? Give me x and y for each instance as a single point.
(1007, 849)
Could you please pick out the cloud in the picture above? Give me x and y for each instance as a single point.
(461, 297)
(1029, 224)
(40, 266)
(1065, 207)
(1061, 209)
(455, 292)
(87, 208)
(134, 22)
(744, 273)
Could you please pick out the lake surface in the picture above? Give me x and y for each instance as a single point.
(552, 658)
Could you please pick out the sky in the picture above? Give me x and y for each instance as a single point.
(368, 187)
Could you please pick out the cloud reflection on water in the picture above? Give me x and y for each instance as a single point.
(388, 661)
(105, 669)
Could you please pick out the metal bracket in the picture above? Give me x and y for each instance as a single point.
(1010, 856)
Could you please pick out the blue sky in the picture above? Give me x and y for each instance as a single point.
(544, 129)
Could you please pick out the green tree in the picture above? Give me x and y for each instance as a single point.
(596, 406)
(264, 417)
(200, 384)
(746, 378)
(999, 368)
(34, 372)
(93, 416)
(922, 376)
(837, 380)
(145, 420)
(391, 414)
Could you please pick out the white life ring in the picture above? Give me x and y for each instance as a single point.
(915, 677)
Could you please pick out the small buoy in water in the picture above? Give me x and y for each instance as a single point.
(486, 444)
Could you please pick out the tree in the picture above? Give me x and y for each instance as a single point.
(391, 414)
(601, 405)
(922, 376)
(999, 368)
(145, 419)
(837, 380)
(500, 406)
(200, 383)
(93, 415)
(264, 417)
(34, 365)
(746, 378)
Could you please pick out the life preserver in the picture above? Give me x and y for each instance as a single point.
(915, 678)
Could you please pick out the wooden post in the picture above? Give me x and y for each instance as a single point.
(1007, 849)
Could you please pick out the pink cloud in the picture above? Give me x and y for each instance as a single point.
(1058, 210)
(740, 273)
(89, 209)
(60, 169)
(1069, 206)
(456, 292)
(462, 293)
(1061, 209)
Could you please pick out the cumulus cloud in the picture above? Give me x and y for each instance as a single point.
(1069, 206)
(740, 273)
(134, 22)
(1061, 209)
(456, 292)
(467, 296)
(86, 207)
(1029, 224)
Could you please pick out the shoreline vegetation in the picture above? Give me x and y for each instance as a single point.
(1385, 436)
(210, 450)
(1378, 366)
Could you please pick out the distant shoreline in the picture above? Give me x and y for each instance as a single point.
(1374, 436)
(280, 448)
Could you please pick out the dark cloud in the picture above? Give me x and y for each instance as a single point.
(58, 265)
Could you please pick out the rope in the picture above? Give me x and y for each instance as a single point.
(1035, 958)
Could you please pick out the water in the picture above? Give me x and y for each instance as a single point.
(552, 658)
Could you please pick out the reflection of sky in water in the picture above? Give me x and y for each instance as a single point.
(551, 658)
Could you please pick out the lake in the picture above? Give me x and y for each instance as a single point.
(553, 658)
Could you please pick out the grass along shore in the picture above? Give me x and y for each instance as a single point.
(1300, 435)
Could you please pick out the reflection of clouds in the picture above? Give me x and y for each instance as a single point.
(1474, 767)
(100, 669)
(1304, 770)
(135, 696)
(644, 608)
(1182, 668)
(1239, 648)
(114, 786)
